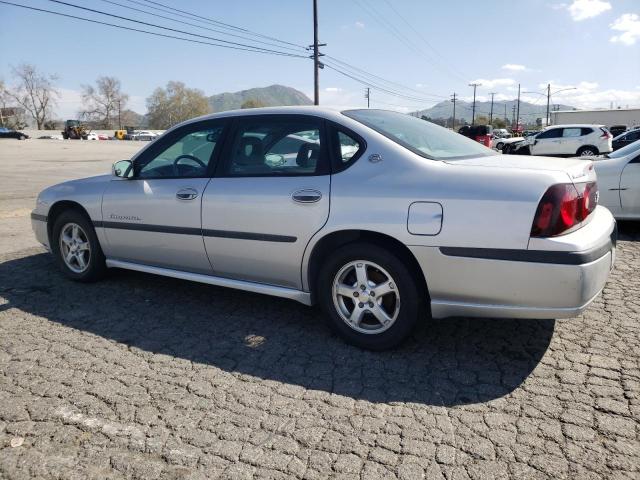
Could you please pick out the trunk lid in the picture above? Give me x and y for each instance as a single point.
(578, 169)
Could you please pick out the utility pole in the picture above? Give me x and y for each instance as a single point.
(518, 112)
(491, 114)
(317, 65)
(506, 119)
(513, 118)
(473, 111)
(548, 119)
(119, 121)
(367, 95)
(453, 99)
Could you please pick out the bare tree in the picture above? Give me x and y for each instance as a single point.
(174, 104)
(104, 103)
(35, 92)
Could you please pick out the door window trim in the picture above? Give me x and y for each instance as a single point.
(172, 137)
(225, 155)
(337, 165)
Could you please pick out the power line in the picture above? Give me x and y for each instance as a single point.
(213, 21)
(374, 86)
(198, 26)
(157, 34)
(419, 34)
(173, 29)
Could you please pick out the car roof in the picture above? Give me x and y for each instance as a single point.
(576, 125)
(326, 112)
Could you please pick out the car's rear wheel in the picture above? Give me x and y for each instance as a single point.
(22, 137)
(499, 145)
(587, 151)
(76, 247)
(370, 296)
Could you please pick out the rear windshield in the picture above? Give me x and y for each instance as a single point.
(626, 150)
(420, 136)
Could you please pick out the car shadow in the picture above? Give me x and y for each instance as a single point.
(448, 362)
(629, 230)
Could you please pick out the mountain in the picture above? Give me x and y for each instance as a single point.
(529, 112)
(271, 96)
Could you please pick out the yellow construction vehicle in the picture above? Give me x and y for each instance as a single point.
(74, 130)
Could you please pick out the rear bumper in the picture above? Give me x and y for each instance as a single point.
(517, 283)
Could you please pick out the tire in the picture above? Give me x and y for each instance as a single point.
(587, 151)
(22, 137)
(402, 303)
(499, 145)
(506, 149)
(94, 261)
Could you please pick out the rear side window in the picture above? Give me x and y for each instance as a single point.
(269, 145)
(552, 133)
(572, 132)
(587, 131)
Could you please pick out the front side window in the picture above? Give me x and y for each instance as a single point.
(273, 146)
(419, 136)
(551, 133)
(188, 156)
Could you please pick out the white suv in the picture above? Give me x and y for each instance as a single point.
(580, 140)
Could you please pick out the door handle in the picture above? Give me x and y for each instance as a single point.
(306, 196)
(187, 194)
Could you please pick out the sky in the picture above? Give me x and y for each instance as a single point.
(420, 51)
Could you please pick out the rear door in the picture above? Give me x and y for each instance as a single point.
(547, 142)
(630, 188)
(269, 195)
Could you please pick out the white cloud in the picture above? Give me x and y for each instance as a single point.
(629, 25)
(559, 6)
(421, 85)
(496, 82)
(359, 24)
(514, 67)
(584, 9)
(333, 89)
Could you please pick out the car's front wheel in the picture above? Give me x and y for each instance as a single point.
(370, 295)
(76, 247)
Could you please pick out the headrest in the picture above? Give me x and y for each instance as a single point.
(308, 155)
(249, 152)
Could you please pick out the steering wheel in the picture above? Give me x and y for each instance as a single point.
(187, 157)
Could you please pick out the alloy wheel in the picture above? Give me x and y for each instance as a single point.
(75, 248)
(366, 297)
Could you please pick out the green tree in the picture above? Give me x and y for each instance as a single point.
(174, 104)
(252, 103)
(499, 123)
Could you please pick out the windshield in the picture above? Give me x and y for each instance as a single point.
(420, 136)
(626, 150)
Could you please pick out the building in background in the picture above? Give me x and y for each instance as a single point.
(621, 116)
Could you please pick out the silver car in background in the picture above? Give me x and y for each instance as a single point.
(380, 218)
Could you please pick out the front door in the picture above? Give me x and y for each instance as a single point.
(153, 218)
(630, 188)
(548, 142)
(270, 194)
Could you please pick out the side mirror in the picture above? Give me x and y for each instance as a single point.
(122, 169)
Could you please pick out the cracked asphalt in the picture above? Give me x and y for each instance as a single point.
(147, 377)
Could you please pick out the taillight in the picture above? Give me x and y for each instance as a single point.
(606, 134)
(562, 207)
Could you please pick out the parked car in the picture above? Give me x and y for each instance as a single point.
(619, 181)
(566, 140)
(625, 139)
(480, 133)
(92, 136)
(423, 221)
(499, 143)
(8, 133)
(102, 136)
(617, 130)
(143, 135)
(501, 133)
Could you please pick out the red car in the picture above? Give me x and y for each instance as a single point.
(479, 133)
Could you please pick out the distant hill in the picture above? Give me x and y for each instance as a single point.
(528, 111)
(274, 95)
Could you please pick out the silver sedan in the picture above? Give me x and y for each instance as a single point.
(380, 218)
